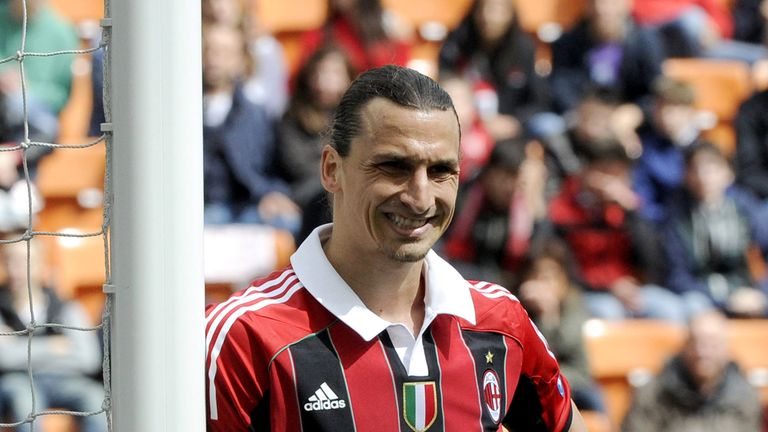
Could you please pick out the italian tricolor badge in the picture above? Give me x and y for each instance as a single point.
(420, 404)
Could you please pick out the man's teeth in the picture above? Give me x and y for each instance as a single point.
(406, 222)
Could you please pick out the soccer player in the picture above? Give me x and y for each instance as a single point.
(368, 329)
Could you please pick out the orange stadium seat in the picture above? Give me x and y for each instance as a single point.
(418, 13)
(625, 352)
(286, 20)
(77, 270)
(720, 86)
(78, 11)
(749, 348)
(278, 16)
(71, 182)
(534, 15)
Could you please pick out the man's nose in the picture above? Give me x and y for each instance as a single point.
(418, 194)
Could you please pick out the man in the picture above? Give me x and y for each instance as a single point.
(370, 330)
(699, 390)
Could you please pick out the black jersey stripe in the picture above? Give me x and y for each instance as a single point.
(400, 376)
(490, 354)
(321, 386)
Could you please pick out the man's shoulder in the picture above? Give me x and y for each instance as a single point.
(496, 309)
(274, 307)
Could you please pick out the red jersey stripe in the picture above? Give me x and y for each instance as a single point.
(369, 380)
(458, 384)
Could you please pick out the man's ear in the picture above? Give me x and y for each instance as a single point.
(330, 169)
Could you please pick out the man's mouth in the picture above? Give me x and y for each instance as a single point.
(407, 223)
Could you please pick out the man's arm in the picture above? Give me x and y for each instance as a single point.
(577, 421)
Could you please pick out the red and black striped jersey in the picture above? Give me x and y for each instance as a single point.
(299, 351)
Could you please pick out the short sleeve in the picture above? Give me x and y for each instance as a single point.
(542, 399)
(235, 378)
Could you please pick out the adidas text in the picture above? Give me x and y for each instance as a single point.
(325, 405)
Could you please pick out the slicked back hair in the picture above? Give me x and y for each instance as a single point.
(403, 86)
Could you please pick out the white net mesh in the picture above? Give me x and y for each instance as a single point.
(33, 326)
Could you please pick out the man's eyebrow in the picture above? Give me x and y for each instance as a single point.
(395, 157)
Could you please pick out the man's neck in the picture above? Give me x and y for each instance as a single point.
(392, 290)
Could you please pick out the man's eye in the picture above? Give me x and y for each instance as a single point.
(442, 171)
(393, 166)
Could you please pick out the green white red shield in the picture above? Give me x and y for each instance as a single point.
(420, 405)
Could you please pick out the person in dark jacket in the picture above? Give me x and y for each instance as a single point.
(490, 49)
(699, 390)
(752, 145)
(501, 214)
(711, 227)
(671, 127)
(320, 83)
(606, 49)
(238, 142)
(549, 293)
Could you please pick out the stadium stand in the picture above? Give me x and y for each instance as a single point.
(626, 353)
(286, 20)
(720, 86)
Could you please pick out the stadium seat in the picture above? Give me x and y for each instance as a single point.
(71, 183)
(79, 11)
(290, 15)
(749, 347)
(596, 421)
(77, 265)
(428, 12)
(537, 17)
(720, 87)
(627, 353)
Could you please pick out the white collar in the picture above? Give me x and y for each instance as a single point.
(447, 292)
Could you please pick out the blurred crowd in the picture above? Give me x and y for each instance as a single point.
(588, 187)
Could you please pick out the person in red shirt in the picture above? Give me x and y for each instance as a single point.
(358, 27)
(368, 329)
(616, 251)
(696, 28)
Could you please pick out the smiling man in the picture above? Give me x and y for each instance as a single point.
(368, 329)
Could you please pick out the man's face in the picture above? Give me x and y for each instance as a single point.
(223, 56)
(395, 192)
(708, 177)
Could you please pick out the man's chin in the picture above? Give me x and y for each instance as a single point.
(408, 254)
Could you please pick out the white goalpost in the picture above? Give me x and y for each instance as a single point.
(157, 283)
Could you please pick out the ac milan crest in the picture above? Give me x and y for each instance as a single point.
(492, 394)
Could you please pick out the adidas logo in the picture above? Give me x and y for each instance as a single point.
(324, 399)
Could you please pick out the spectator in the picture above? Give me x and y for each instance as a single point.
(267, 82)
(752, 144)
(606, 49)
(699, 390)
(360, 28)
(616, 251)
(708, 235)
(696, 28)
(63, 360)
(749, 19)
(501, 214)
(497, 57)
(600, 118)
(48, 79)
(238, 142)
(476, 142)
(554, 302)
(670, 128)
(319, 86)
